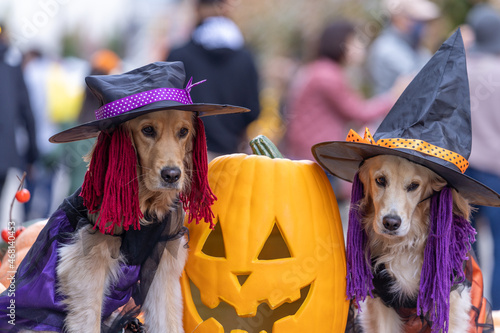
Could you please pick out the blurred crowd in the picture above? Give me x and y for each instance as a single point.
(345, 79)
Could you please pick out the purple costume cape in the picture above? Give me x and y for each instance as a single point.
(38, 306)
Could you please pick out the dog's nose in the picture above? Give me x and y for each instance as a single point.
(171, 175)
(391, 222)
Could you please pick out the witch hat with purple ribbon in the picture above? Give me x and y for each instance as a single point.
(154, 87)
(110, 187)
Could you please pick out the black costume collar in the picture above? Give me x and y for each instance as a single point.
(137, 245)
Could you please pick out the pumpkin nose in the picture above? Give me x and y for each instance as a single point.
(170, 175)
(391, 222)
(242, 277)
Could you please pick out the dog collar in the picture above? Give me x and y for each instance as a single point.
(412, 144)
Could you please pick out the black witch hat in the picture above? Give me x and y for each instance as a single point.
(430, 124)
(153, 87)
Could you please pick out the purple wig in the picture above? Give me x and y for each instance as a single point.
(450, 238)
(359, 270)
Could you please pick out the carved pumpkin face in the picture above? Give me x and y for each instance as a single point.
(275, 261)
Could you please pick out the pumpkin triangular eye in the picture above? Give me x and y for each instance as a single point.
(275, 246)
(212, 246)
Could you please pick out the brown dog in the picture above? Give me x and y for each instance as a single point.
(163, 141)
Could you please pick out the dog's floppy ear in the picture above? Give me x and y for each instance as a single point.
(437, 182)
(364, 178)
(188, 156)
(127, 129)
(461, 206)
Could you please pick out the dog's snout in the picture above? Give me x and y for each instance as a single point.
(171, 175)
(392, 222)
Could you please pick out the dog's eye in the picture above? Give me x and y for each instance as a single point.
(381, 181)
(148, 131)
(183, 132)
(412, 187)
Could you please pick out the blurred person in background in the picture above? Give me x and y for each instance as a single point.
(483, 67)
(18, 148)
(56, 93)
(398, 49)
(216, 52)
(322, 105)
(36, 71)
(102, 62)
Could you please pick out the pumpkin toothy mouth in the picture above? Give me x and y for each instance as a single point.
(263, 320)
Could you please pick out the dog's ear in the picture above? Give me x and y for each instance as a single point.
(188, 156)
(127, 129)
(366, 203)
(87, 158)
(461, 206)
(364, 176)
(437, 182)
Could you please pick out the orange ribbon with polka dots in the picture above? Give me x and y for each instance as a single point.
(413, 144)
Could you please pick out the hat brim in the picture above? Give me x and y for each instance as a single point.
(343, 159)
(92, 129)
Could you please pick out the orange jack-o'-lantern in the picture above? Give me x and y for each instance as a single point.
(275, 261)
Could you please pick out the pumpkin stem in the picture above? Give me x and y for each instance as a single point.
(261, 145)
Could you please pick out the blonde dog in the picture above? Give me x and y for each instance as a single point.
(395, 215)
(410, 267)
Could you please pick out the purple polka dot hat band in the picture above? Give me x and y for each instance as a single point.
(154, 87)
(138, 100)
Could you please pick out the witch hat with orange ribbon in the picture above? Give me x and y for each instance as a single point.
(430, 124)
